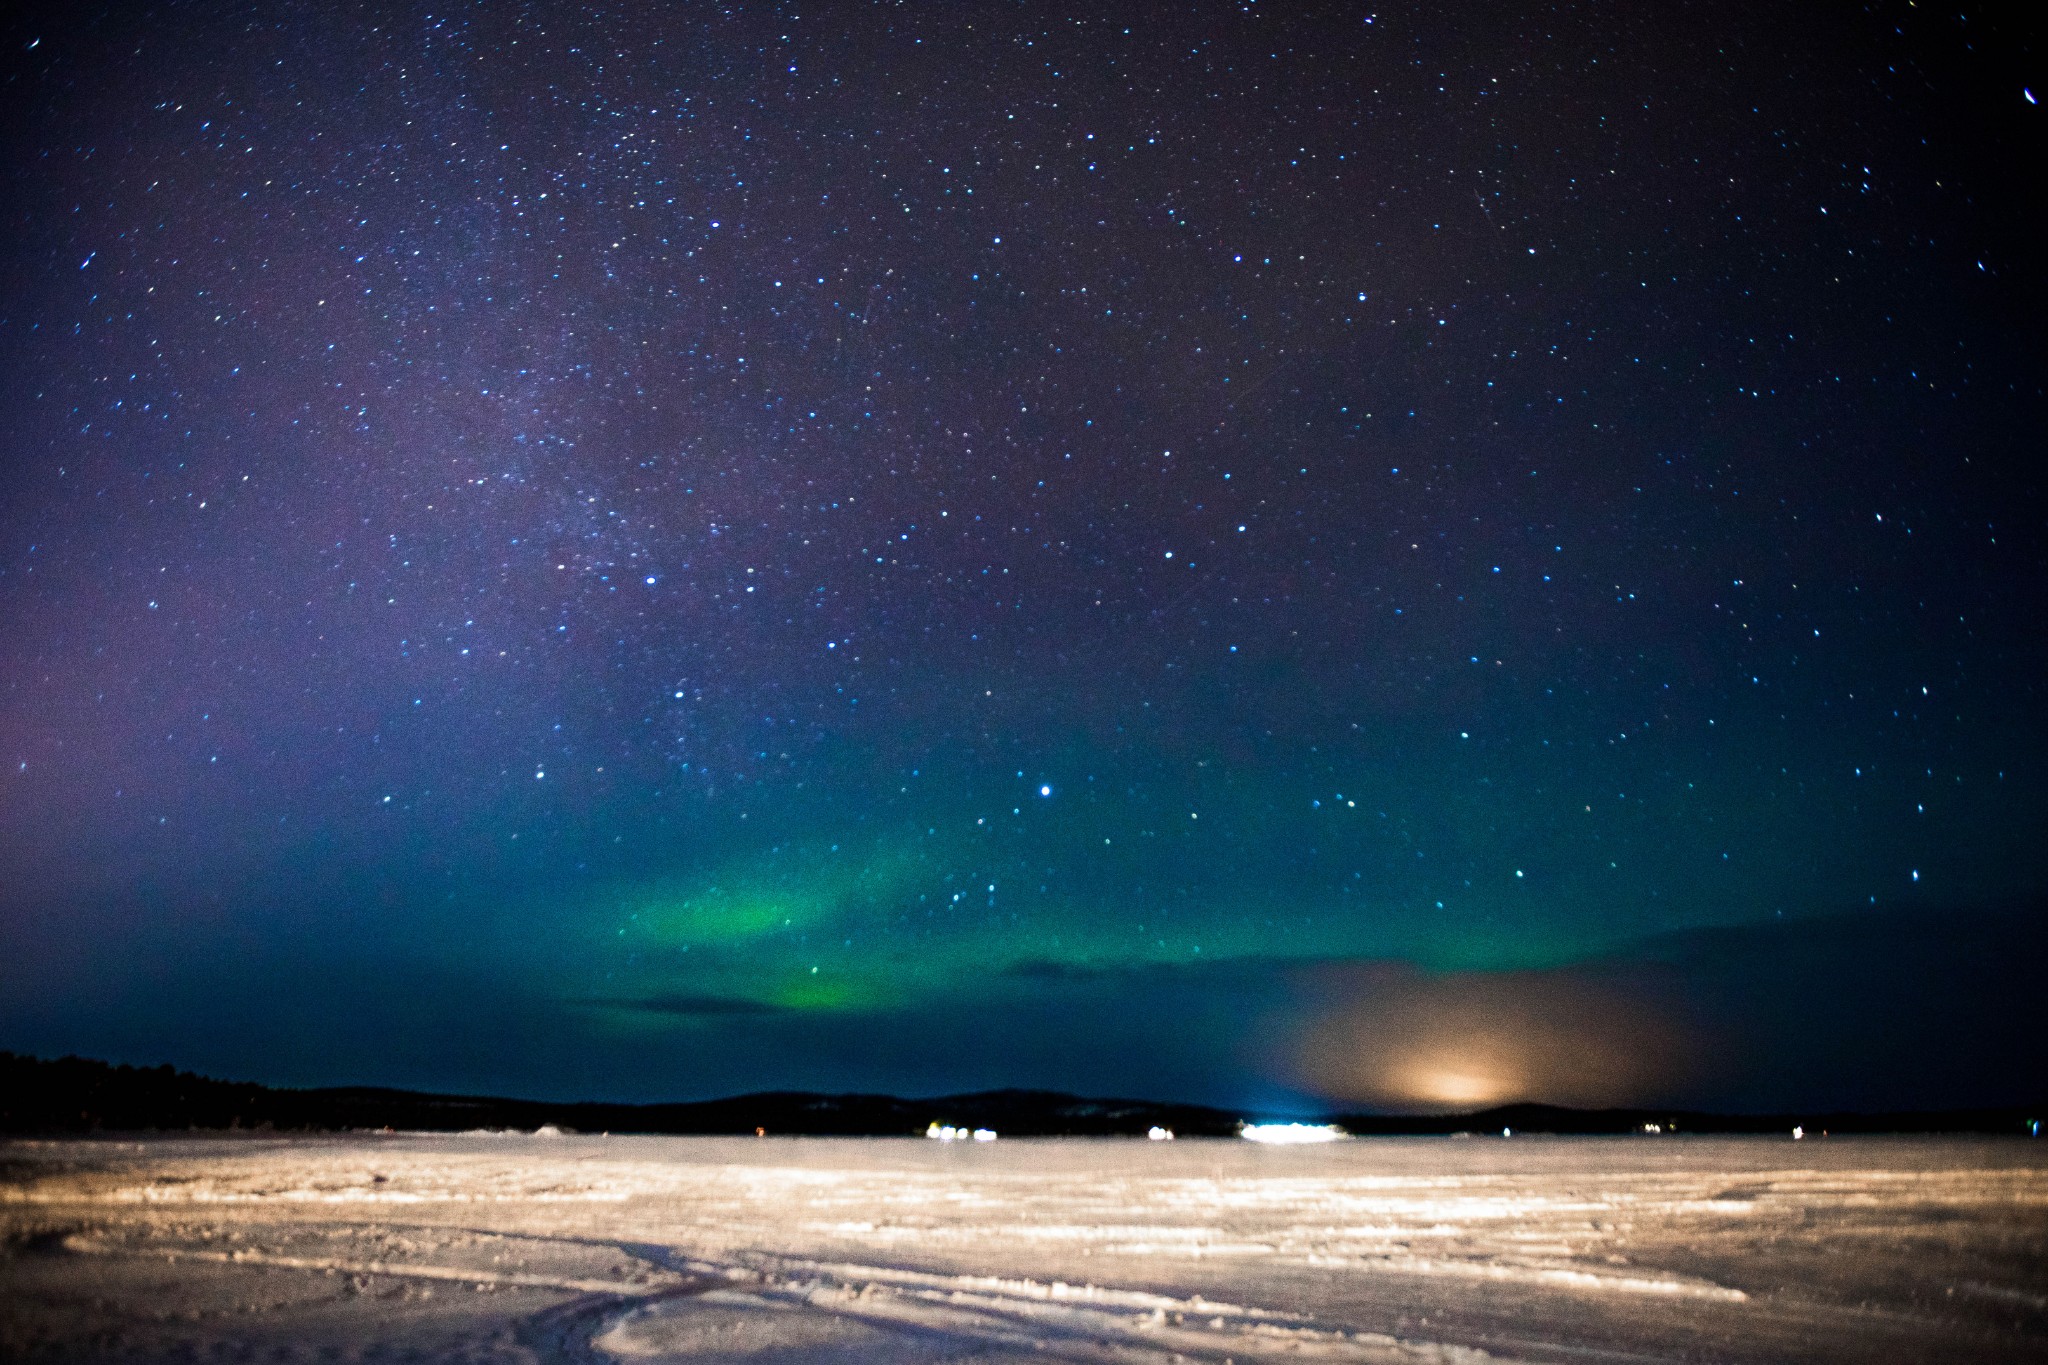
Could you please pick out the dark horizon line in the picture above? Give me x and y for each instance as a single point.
(84, 1095)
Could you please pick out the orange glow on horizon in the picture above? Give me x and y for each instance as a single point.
(1452, 1084)
(1467, 1040)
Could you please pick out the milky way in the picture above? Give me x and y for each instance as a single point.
(678, 549)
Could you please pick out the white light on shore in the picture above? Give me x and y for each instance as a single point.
(946, 1132)
(1291, 1134)
(1158, 1134)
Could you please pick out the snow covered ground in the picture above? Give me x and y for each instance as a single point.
(645, 1250)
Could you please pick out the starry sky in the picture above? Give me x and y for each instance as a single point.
(1268, 554)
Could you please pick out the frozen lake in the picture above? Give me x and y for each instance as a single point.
(783, 1250)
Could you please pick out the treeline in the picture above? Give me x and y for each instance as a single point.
(79, 1095)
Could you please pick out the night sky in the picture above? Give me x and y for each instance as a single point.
(1269, 554)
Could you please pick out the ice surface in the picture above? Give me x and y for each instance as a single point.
(766, 1250)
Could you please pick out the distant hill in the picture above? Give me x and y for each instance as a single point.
(74, 1095)
(78, 1095)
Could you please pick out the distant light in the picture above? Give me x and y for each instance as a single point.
(1158, 1134)
(1045, 789)
(946, 1132)
(1291, 1134)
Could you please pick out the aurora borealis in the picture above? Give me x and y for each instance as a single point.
(653, 552)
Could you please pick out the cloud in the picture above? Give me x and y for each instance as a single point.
(1047, 969)
(690, 1006)
(1870, 1011)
